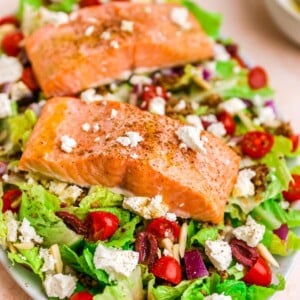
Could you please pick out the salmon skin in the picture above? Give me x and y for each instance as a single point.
(192, 183)
(108, 42)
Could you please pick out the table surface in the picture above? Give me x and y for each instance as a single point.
(249, 24)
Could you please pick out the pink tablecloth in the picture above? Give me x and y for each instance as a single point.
(249, 24)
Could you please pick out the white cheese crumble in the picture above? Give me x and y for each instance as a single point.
(171, 217)
(220, 53)
(265, 116)
(86, 127)
(49, 260)
(239, 267)
(28, 233)
(148, 208)
(114, 44)
(65, 192)
(10, 69)
(219, 253)
(251, 233)
(105, 35)
(232, 106)
(244, 187)
(140, 79)
(12, 226)
(180, 15)
(90, 95)
(19, 90)
(217, 129)
(209, 118)
(117, 263)
(127, 26)
(89, 31)
(216, 296)
(157, 106)
(190, 137)
(5, 107)
(60, 285)
(195, 121)
(67, 144)
(113, 113)
(181, 105)
(131, 139)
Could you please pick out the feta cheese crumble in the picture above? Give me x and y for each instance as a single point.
(251, 233)
(86, 127)
(195, 121)
(232, 106)
(105, 35)
(67, 144)
(171, 217)
(114, 44)
(49, 260)
(181, 105)
(216, 296)
(158, 106)
(90, 95)
(265, 115)
(179, 15)
(19, 91)
(217, 129)
(219, 253)
(148, 208)
(60, 285)
(5, 108)
(220, 53)
(10, 69)
(244, 187)
(190, 137)
(117, 263)
(140, 79)
(127, 26)
(28, 233)
(131, 139)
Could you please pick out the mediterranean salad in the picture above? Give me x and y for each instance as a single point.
(100, 243)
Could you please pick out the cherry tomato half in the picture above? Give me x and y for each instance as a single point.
(28, 78)
(85, 3)
(257, 78)
(101, 225)
(82, 296)
(257, 144)
(293, 193)
(228, 121)
(11, 43)
(150, 92)
(295, 140)
(163, 228)
(259, 274)
(8, 199)
(167, 268)
(9, 20)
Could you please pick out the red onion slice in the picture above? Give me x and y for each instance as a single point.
(282, 232)
(194, 265)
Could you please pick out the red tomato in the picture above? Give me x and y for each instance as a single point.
(259, 274)
(8, 199)
(82, 296)
(295, 140)
(293, 193)
(9, 20)
(163, 228)
(85, 3)
(257, 144)
(101, 225)
(150, 92)
(167, 268)
(28, 78)
(228, 121)
(11, 43)
(257, 78)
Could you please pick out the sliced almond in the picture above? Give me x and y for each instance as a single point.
(182, 239)
(176, 252)
(266, 254)
(158, 253)
(167, 244)
(11, 248)
(24, 246)
(201, 82)
(246, 121)
(54, 250)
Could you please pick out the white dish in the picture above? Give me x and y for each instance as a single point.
(285, 17)
(31, 283)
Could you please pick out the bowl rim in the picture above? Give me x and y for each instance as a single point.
(286, 5)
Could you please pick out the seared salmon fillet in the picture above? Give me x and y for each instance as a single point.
(107, 42)
(117, 144)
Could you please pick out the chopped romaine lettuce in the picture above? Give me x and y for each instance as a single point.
(206, 233)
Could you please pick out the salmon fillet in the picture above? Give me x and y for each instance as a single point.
(193, 184)
(108, 42)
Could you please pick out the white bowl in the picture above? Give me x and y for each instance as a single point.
(285, 17)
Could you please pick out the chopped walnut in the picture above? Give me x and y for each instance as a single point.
(260, 178)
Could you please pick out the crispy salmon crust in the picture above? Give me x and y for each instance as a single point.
(193, 184)
(77, 55)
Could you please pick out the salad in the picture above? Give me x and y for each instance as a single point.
(100, 243)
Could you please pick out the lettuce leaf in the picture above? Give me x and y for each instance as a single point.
(65, 5)
(210, 22)
(204, 234)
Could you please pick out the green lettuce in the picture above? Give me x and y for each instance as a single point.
(210, 22)
(204, 234)
(38, 206)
